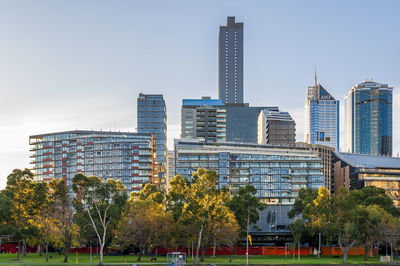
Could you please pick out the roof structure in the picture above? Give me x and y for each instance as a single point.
(368, 161)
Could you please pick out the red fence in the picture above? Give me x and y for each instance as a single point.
(12, 248)
(274, 251)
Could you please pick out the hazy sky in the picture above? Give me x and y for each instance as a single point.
(68, 65)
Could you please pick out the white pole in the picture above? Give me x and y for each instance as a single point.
(90, 251)
(319, 245)
(247, 239)
(298, 251)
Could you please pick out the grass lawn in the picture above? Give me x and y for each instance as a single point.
(10, 259)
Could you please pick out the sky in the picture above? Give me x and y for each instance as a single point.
(68, 65)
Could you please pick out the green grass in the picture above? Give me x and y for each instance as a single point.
(10, 259)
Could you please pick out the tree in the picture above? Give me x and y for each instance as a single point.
(7, 226)
(303, 207)
(197, 202)
(144, 225)
(149, 192)
(40, 209)
(18, 189)
(99, 204)
(63, 216)
(246, 206)
(225, 232)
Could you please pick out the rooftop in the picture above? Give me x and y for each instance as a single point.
(202, 102)
(368, 161)
(277, 115)
(87, 132)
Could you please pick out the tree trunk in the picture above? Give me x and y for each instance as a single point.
(203, 252)
(196, 260)
(319, 245)
(24, 249)
(139, 257)
(101, 254)
(41, 248)
(214, 247)
(345, 253)
(19, 249)
(18, 226)
(47, 242)
(66, 253)
(365, 252)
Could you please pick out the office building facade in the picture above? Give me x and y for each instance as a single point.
(321, 117)
(278, 173)
(368, 119)
(203, 119)
(241, 122)
(127, 157)
(231, 62)
(276, 128)
(355, 171)
(152, 118)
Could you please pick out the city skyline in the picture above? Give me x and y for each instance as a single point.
(59, 74)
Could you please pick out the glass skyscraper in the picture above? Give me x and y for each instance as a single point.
(231, 62)
(368, 119)
(152, 118)
(321, 117)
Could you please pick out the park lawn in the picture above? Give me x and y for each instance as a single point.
(259, 259)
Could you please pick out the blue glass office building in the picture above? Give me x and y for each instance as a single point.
(368, 119)
(152, 118)
(321, 117)
(230, 62)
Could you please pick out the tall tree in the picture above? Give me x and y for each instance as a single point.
(40, 210)
(197, 202)
(99, 204)
(63, 216)
(18, 189)
(7, 225)
(246, 206)
(144, 225)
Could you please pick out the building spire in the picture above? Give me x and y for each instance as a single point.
(315, 76)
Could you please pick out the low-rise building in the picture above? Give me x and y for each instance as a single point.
(355, 171)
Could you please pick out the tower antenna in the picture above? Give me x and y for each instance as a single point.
(315, 76)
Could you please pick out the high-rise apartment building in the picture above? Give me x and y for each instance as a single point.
(127, 157)
(231, 62)
(368, 119)
(321, 117)
(152, 118)
(203, 119)
(276, 128)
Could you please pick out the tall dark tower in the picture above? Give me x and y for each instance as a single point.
(231, 62)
